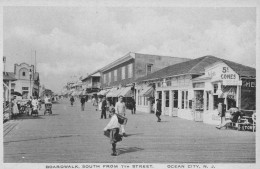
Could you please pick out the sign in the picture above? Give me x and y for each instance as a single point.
(228, 82)
(221, 71)
(248, 83)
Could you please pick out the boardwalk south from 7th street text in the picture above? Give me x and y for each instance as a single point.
(129, 166)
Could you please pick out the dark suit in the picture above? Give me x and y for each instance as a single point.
(158, 110)
(103, 109)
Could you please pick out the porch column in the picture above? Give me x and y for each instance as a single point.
(163, 102)
(171, 102)
(238, 97)
(156, 97)
(179, 99)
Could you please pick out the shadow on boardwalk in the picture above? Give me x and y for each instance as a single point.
(129, 150)
(42, 138)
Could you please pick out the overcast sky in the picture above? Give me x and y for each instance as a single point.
(76, 41)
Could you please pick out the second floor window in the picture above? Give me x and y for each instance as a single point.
(23, 73)
(109, 77)
(104, 78)
(115, 75)
(130, 70)
(123, 72)
(149, 69)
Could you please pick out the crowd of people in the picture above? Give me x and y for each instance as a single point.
(28, 106)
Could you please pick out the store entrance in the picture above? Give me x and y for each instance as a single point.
(199, 105)
(175, 103)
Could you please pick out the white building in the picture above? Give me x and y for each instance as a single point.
(28, 82)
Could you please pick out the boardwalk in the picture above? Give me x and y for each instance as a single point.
(70, 135)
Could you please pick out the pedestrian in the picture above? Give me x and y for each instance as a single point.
(15, 107)
(35, 105)
(133, 105)
(235, 114)
(158, 110)
(72, 100)
(121, 109)
(113, 129)
(110, 107)
(82, 101)
(222, 112)
(103, 108)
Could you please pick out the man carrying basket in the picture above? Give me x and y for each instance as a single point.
(120, 109)
(112, 131)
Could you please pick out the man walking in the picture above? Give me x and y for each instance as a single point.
(133, 106)
(82, 100)
(103, 108)
(121, 109)
(158, 110)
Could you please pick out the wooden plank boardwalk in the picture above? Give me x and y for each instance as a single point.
(73, 136)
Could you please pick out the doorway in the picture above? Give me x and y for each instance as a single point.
(175, 103)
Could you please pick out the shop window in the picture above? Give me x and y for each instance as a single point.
(199, 101)
(186, 100)
(167, 98)
(175, 99)
(215, 100)
(207, 101)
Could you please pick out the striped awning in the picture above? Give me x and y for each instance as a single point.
(103, 92)
(147, 91)
(116, 93)
(111, 92)
(126, 92)
(229, 91)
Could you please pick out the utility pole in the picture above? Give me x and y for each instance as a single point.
(35, 61)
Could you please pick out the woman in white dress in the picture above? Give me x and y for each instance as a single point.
(15, 107)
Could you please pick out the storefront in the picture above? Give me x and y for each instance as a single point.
(145, 98)
(196, 98)
(223, 84)
(192, 90)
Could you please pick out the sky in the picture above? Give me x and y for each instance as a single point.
(73, 41)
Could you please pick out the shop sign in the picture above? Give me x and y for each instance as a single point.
(228, 82)
(222, 72)
(248, 83)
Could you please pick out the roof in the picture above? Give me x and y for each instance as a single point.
(197, 66)
(9, 76)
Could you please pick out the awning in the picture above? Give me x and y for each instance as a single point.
(91, 94)
(111, 92)
(103, 92)
(126, 92)
(229, 91)
(116, 93)
(147, 91)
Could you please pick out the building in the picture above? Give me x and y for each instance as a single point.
(91, 84)
(120, 75)
(28, 81)
(193, 89)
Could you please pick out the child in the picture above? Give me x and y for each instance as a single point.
(113, 126)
